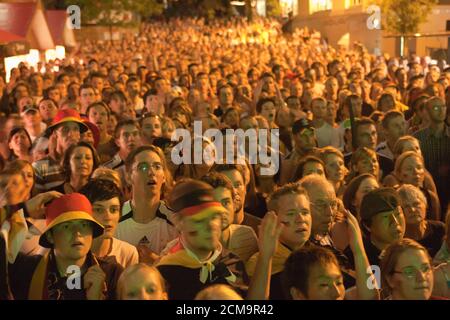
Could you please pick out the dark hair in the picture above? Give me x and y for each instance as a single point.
(150, 148)
(101, 190)
(217, 180)
(388, 116)
(222, 87)
(223, 167)
(352, 188)
(98, 103)
(66, 161)
(123, 123)
(84, 86)
(262, 101)
(148, 115)
(298, 266)
(117, 95)
(16, 130)
(301, 165)
(46, 93)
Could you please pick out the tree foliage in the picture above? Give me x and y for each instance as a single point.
(405, 16)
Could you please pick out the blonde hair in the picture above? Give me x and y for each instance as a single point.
(218, 292)
(107, 174)
(130, 270)
(402, 158)
(400, 144)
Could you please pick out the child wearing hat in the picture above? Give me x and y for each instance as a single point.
(69, 271)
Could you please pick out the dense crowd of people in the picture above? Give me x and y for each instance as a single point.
(93, 205)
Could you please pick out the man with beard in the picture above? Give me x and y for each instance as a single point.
(145, 219)
(127, 136)
(64, 132)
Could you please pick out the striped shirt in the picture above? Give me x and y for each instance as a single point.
(436, 153)
(49, 174)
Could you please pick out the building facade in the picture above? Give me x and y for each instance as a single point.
(342, 22)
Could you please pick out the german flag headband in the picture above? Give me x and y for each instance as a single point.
(197, 204)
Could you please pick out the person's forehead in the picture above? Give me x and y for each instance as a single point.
(147, 156)
(322, 193)
(292, 200)
(151, 120)
(98, 108)
(268, 104)
(412, 257)
(68, 125)
(128, 129)
(367, 127)
(109, 202)
(85, 90)
(82, 150)
(222, 193)
(324, 271)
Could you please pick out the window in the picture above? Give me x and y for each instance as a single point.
(319, 5)
(351, 3)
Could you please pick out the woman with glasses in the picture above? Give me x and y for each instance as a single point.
(406, 272)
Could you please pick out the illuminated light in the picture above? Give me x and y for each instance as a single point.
(417, 35)
(237, 3)
(33, 57)
(13, 62)
(50, 54)
(60, 52)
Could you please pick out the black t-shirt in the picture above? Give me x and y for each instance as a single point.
(434, 235)
(367, 109)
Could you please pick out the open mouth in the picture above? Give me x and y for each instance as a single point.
(151, 183)
(77, 244)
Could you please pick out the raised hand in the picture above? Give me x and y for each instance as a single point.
(354, 232)
(94, 283)
(36, 205)
(269, 233)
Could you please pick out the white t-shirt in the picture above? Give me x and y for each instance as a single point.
(126, 254)
(154, 235)
(327, 136)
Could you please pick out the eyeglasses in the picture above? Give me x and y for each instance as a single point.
(322, 206)
(411, 272)
(144, 167)
(439, 107)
